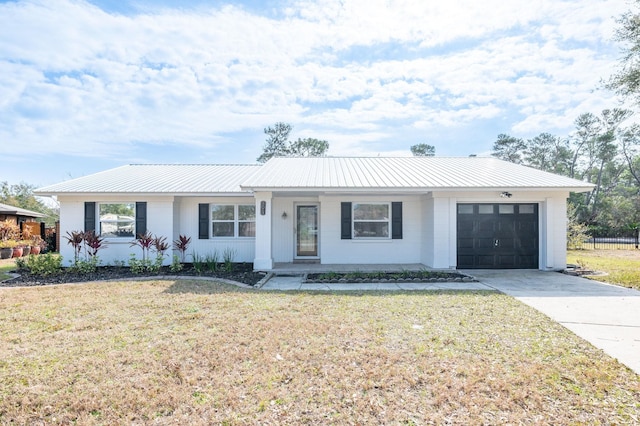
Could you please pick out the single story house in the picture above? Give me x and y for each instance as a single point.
(444, 213)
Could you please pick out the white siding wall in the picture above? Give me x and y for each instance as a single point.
(429, 228)
(335, 250)
(554, 224)
(188, 226)
(439, 239)
(426, 253)
(282, 244)
(159, 222)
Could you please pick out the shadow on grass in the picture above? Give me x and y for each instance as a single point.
(204, 287)
(214, 287)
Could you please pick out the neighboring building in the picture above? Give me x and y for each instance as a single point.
(18, 215)
(444, 213)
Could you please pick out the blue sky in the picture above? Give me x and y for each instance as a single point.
(90, 85)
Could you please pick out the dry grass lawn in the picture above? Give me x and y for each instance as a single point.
(622, 266)
(189, 352)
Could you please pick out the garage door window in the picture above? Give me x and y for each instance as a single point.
(485, 209)
(506, 209)
(465, 208)
(527, 209)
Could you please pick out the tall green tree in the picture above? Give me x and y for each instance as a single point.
(308, 147)
(277, 141)
(606, 151)
(278, 144)
(626, 80)
(630, 139)
(587, 130)
(508, 148)
(423, 150)
(549, 153)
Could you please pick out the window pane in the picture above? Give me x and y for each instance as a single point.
(247, 229)
(526, 209)
(371, 212)
(124, 209)
(116, 229)
(220, 212)
(371, 229)
(247, 212)
(465, 208)
(223, 229)
(117, 220)
(506, 209)
(485, 209)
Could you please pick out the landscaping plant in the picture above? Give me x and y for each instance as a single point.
(181, 244)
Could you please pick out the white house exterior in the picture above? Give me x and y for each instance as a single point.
(445, 213)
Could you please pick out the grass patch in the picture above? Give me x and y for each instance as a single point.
(6, 265)
(195, 352)
(622, 266)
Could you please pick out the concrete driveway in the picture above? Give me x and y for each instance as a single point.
(607, 316)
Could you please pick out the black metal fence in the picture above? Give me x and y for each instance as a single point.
(627, 240)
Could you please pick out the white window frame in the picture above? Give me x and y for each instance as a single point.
(116, 221)
(235, 221)
(354, 221)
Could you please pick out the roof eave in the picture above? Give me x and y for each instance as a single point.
(417, 190)
(145, 194)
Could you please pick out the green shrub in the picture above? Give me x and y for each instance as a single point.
(199, 263)
(176, 265)
(44, 264)
(228, 257)
(212, 261)
(85, 266)
(141, 266)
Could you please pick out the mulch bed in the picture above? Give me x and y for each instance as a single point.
(388, 277)
(242, 273)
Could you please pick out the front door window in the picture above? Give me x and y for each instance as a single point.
(307, 231)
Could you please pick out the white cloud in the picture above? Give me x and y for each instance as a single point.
(77, 80)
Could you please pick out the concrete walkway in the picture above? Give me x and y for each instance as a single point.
(606, 316)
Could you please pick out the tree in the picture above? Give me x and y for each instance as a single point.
(630, 139)
(587, 129)
(308, 147)
(423, 150)
(21, 195)
(548, 152)
(277, 138)
(606, 150)
(626, 81)
(278, 144)
(508, 148)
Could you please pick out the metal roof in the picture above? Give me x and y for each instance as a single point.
(319, 174)
(404, 173)
(17, 211)
(158, 179)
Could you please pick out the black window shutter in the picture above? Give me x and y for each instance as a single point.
(141, 218)
(89, 216)
(345, 221)
(203, 221)
(396, 220)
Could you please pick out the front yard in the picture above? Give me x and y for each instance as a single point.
(621, 266)
(192, 352)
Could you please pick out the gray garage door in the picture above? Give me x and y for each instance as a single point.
(497, 236)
